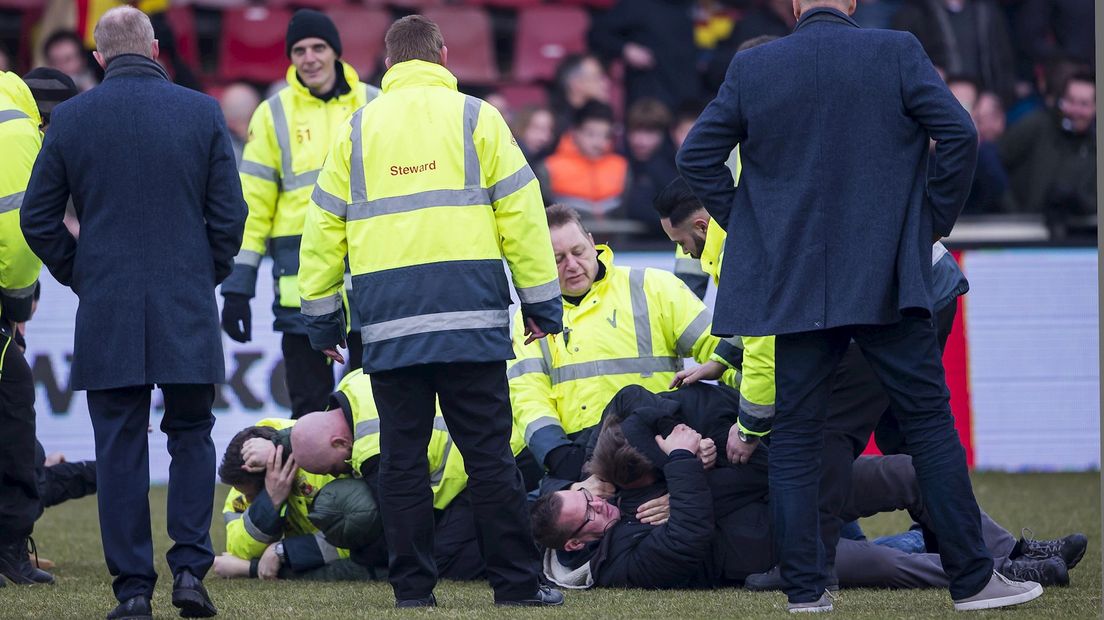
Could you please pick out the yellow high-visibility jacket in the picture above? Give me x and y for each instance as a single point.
(21, 141)
(634, 327)
(689, 270)
(447, 475)
(427, 192)
(757, 366)
(289, 138)
(252, 526)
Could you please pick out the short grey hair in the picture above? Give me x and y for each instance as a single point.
(123, 30)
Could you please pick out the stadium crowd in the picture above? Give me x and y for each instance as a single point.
(638, 472)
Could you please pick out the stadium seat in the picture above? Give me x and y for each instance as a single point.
(403, 4)
(505, 4)
(182, 21)
(252, 46)
(545, 35)
(362, 31)
(306, 4)
(467, 32)
(523, 95)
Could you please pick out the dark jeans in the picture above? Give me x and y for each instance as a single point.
(19, 500)
(906, 358)
(310, 375)
(475, 402)
(64, 481)
(120, 418)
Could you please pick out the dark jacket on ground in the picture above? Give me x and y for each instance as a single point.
(153, 180)
(833, 219)
(666, 27)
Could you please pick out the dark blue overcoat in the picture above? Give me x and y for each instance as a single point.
(833, 219)
(152, 176)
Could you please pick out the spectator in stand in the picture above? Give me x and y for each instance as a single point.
(535, 131)
(238, 102)
(989, 117)
(1046, 29)
(655, 39)
(64, 51)
(964, 37)
(1051, 155)
(5, 59)
(876, 13)
(774, 18)
(651, 161)
(990, 181)
(580, 78)
(685, 117)
(584, 172)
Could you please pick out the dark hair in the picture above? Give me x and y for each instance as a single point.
(762, 39)
(414, 37)
(615, 460)
(676, 202)
(648, 114)
(593, 111)
(230, 470)
(688, 111)
(561, 215)
(59, 36)
(544, 520)
(1078, 76)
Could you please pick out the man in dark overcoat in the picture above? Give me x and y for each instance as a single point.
(152, 176)
(830, 236)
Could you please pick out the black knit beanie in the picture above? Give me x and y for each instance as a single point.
(49, 88)
(309, 23)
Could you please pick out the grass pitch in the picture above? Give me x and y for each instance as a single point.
(1050, 504)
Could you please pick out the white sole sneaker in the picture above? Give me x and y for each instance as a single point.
(1003, 601)
(819, 609)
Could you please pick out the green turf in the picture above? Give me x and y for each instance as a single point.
(1051, 504)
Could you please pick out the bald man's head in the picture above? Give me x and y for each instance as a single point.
(124, 30)
(322, 442)
(238, 102)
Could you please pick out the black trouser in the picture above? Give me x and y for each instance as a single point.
(19, 500)
(475, 402)
(120, 419)
(310, 375)
(64, 481)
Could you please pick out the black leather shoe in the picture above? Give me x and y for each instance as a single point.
(190, 597)
(544, 597)
(16, 565)
(1071, 548)
(411, 603)
(771, 581)
(1046, 572)
(134, 608)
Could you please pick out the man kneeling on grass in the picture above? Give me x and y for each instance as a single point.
(719, 531)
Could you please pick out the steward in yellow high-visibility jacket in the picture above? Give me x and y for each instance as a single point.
(290, 136)
(19, 134)
(622, 327)
(253, 522)
(689, 224)
(427, 276)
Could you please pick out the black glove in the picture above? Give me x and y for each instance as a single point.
(237, 320)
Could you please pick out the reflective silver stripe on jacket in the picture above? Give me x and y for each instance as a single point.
(473, 176)
(11, 115)
(325, 549)
(249, 258)
(329, 203)
(541, 422)
(542, 365)
(255, 532)
(629, 365)
(230, 517)
(366, 428)
(358, 188)
(693, 331)
(689, 266)
(260, 171)
(641, 317)
(321, 307)
(289, 181)
(524, 176)
(11, 202)
(437, 322)
(19, 293)
(754, 410)
(540, 293)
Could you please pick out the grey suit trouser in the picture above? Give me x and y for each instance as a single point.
(884, 484)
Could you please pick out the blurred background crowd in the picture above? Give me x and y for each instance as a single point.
(601, 93)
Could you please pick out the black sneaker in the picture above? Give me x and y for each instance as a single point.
(1045, 572)
(411, 603)
(544, 597)
(16, 566)
(1071, 548)
(771, 581)
(190, 597)
(134, 608)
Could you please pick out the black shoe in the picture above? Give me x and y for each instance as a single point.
(134, 608)
(1045, 572)
(411, 603)
(771, 581)
(1071, 548)
(544, 597)
(191, 597)
(15, 564)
